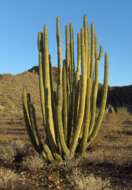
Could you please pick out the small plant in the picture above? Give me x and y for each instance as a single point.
(88, 182)
(33, 163)
(8, 179)
(69, 113)
(7, 154)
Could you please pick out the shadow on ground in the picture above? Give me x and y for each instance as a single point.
(119, 175)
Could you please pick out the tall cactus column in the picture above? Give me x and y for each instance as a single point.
(70, 120)
(60, 90)
(81, 111)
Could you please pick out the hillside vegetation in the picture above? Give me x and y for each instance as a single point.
(11, 88)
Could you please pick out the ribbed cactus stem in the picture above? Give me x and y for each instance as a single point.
(65, 104)
(40, 41)
(48, 153)
(78, 57)
(30, 120)
(59, 90)
(41, 87)
(103, 104)
(72, 46)
(79, 121)
(92, 52)
(67, 64)
(88, 93)
(78, 73)
(89, 90)
(67, 47)
(88, 54)
(51, 79)
(100, 53)
(94, 96)
(72, 64)
(71, 83)
(53, 99)
(49, 112)
(41, 75)
(87, 118)
(86, 39)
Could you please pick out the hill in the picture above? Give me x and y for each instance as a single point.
(11, 87)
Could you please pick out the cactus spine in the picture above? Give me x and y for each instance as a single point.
(69, 114)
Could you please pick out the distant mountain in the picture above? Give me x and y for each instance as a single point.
(120, 96)
(11, 87)
(117, 96)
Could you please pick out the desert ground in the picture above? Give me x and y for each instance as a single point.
(107, 165)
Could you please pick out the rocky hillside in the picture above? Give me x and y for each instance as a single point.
(11, 87)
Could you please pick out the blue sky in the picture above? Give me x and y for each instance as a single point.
(20, 20)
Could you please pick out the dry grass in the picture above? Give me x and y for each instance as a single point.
(33, 163)
(117, 119)
(88, 182)
(8, 179)
(111, 152)
(7, 154)
(114, 141)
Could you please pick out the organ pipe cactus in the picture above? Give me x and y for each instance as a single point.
(70, 119)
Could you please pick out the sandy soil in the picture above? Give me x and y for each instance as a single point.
(110, 157)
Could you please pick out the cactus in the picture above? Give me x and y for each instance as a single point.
(69, 113)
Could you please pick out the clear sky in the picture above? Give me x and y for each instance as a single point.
(20, 20)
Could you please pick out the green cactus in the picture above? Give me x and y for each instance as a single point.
(50, 128)
(81, 111)
(69, 113)
(60, 91)
(65, 103)
(98, 123)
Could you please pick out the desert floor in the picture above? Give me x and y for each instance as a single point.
(107, 165)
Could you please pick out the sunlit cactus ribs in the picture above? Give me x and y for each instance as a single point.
(70, 118)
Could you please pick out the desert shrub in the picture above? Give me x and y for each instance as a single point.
(7, 153)
(118, 118)
(33, 163)
(88, 182)
(8, 179)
